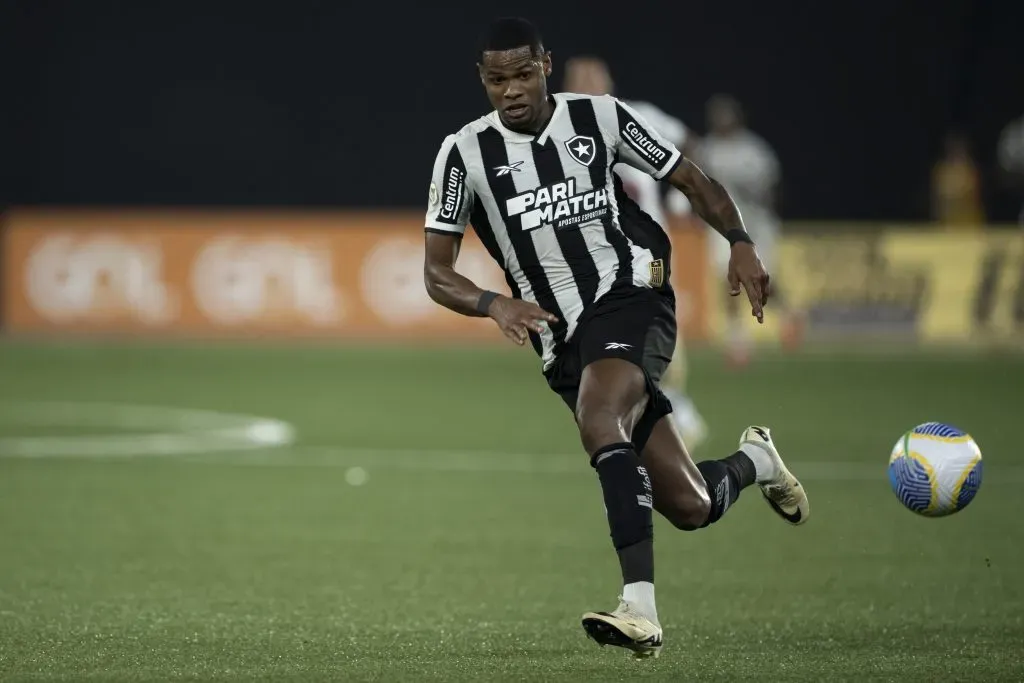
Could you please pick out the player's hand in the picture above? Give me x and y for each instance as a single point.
(747, 271)
(517, 318)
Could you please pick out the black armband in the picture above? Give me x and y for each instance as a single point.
(737, 235)
(484, 302)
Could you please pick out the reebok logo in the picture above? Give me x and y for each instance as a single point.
(617, 346)
(505, 170)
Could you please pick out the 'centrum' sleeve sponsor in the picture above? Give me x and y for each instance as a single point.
(450, 200)
(637, 142)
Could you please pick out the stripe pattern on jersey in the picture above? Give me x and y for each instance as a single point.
(585, 121)
(570, 240)
(574, 255)
(494, 155)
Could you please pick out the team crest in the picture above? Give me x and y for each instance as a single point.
(581, 149)
(433, 194)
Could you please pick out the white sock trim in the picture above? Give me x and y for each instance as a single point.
(764, 465)
(640, 596)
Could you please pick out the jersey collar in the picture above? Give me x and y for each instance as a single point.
(540, 138)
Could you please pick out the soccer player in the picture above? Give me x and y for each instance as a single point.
(590, 291)
(591, 76)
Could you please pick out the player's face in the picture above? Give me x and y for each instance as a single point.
(516, 83)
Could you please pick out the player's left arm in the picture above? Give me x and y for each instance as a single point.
(712, 202)
(640, 145)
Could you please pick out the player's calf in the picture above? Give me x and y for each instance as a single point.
(686, 509)
(692, 496)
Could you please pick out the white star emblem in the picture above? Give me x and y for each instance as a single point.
(582, 149)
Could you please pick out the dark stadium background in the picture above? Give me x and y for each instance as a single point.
(341, 104)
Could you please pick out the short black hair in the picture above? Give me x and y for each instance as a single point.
(508, 33)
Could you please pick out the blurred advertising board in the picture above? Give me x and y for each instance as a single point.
(899, 284)
(246, 274)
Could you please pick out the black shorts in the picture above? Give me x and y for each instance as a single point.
(633, 323)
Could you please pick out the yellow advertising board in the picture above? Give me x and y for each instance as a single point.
(899, 284)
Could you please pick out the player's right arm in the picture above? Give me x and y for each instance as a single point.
(449, 206)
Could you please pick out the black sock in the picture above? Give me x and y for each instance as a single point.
(725, 479)
(628, 500)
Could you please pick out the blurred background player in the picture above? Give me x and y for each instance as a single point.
(956, 201)
(1011, 161)
(748, 168)
(590, 75)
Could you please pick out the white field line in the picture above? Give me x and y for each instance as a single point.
(526, 463)
(152, 430)
(217, 438)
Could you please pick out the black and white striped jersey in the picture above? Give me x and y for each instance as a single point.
(549, 209)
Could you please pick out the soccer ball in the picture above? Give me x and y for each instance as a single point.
(935, 469)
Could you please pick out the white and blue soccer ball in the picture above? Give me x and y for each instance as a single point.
(935, 469)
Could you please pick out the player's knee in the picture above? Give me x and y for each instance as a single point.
(601, 424)
(686, 510)
(606, 422)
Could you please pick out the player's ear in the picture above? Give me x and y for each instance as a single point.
(547, 64)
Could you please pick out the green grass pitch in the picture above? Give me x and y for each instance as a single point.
(478, 538)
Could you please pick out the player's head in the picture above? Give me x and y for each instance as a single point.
(514, 68)
(724, 114)
(588, 76)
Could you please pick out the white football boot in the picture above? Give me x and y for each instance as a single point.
(626, 628)
(783, 492)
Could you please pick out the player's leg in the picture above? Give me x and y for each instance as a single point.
(695, 495)
(634, 624)
(607, 396)
(613, 391)
(612, 397)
